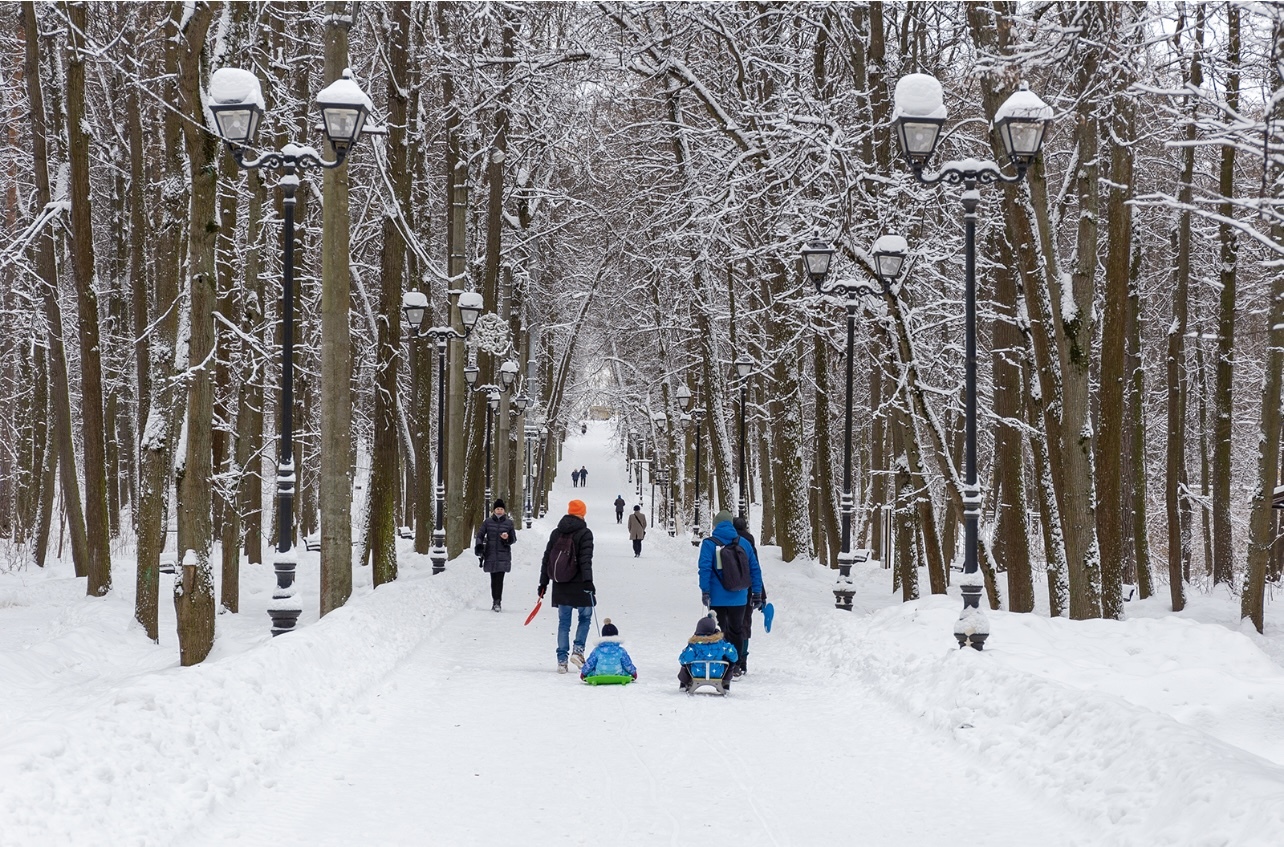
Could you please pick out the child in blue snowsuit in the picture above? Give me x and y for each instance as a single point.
(706, 644)
(609, 659)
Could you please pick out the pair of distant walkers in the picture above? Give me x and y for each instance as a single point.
(579, 478)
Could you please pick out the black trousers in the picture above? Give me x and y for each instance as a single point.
(731, 620)
(637, 546)
(497, 586)
(619, 515)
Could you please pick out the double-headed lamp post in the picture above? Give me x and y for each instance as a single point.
(689, 404)
(744, 367)
(888, 260)
(507, 376)
(236, 106)
(1021, 122)
(415, 306)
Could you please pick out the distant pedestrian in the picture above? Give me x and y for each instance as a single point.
(583, 475)
(742, 529)
(726, 589)
(568, 564)
(637, 530)
(575, 479)
(619, 508)
(494, 538)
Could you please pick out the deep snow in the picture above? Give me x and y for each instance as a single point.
(415, 715)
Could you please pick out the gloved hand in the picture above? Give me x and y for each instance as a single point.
(541, 592)
(764, 595)
(635, 675)
(704, 598)
(756, 601)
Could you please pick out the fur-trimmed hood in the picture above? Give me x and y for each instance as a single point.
(705, 639)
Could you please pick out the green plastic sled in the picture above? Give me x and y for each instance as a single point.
(609, 679)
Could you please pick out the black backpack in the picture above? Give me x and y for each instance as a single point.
(562, 564)
(733, 567)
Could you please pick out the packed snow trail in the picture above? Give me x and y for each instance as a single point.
(474, 738)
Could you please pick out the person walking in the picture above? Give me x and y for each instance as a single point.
(575, 479)
(724, 587)
(583, 476)
(746, 537)
(568, 564)
(637, 530)
(494, 538)
(619, 508)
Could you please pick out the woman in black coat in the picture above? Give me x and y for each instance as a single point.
(494, 538)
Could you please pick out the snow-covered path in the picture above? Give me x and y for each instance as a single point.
(475, 739)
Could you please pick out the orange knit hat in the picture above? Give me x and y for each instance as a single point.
(577, 508)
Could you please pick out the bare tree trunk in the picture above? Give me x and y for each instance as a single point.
(1176, 380)
(194, 590)
(47, 271)
(336, 351)
(385, 472)
(93, 426)
(1223, 397)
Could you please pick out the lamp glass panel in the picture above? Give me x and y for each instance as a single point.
(470, 374)
(817, 257)
(236, 125)
(889, 265)
(414, 315)
(1024, 138)
(342, 123)
(468, 315)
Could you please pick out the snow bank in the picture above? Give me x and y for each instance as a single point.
(138, 763)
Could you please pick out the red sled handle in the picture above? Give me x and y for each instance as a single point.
(534, 611)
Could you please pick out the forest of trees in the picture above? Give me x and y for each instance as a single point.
(627, 185)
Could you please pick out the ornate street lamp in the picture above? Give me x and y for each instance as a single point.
(888, 260)
(744, 367)
(414, 304)
(235, 103)
(1021, 122)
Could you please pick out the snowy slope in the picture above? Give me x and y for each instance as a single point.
(415, 715)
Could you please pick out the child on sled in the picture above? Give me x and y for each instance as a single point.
(609, 663)
(706, 652)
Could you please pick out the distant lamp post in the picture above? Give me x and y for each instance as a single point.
(235, 103)
(507, 377)
(414, 304)
(689, 404)
(531, 434)
(888, 260)
(1021, 123)
(744, 367)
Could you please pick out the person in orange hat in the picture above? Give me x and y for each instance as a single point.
(568, 564)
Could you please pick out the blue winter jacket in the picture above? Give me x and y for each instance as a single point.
(711, 583)
(708, 647)
(608, 659)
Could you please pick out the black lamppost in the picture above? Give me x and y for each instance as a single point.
(889, 263)
(1021, 122)
(689, 404)
(507, 376)
(744, 367)
(415, 306)
(236, 105)
(531, 434)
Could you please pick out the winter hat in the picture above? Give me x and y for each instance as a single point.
(608, 628)
(741, 524)
(499, 504)
(637, 508)
(706, 626)
(722, 516)
(577, 508)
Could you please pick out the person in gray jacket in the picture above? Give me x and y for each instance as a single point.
(494, 538)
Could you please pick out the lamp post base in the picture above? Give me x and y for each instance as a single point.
(843, 598)
(972, 628)
(437, 553)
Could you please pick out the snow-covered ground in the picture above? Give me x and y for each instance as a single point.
(415, 715)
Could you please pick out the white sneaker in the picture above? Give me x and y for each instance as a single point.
(561, 667)
(578, 658)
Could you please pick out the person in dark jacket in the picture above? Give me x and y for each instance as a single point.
(619, 508)
(576, 594)
(742, 529)
(583, 476)
(729, 606)
(575, 479)
(494, 538)
(637, 530)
